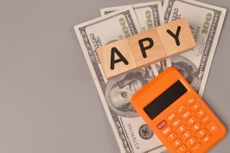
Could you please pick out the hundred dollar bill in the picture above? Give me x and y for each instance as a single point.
(131, 132)
(206, 22)
(149, 15)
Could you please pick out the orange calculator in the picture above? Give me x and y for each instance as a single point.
(177, 115)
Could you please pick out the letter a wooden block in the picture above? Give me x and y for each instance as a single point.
(176, 37)
(146, 47)
(116, 58)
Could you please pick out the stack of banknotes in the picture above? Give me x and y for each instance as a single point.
(115, 23)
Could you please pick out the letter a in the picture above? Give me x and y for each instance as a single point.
(114, 51)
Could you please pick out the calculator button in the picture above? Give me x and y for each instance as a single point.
(167, 130)
(201, 134)
(176, 122)
(161, 124)
(181, 129)
(205, 119)
(213, 128)
(182, 149)
(181, 109)
(196, 127)
(195, 107)
(186, 115)
(172, 137)
(196, 147)
(186, 135)
(191, 142)
(200, 113)
(205, 139)
(177, 143)
(171, 116)
(191, 100)
(191, 121)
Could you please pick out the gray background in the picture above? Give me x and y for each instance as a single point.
(48, 100)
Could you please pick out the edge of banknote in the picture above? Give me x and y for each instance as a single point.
(92, 71)
(107, 10)
(215, 43)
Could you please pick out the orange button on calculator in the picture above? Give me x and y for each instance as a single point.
(177, 115)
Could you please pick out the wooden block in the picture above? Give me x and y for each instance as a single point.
(146, 47)
(176, 37)
(116, 58)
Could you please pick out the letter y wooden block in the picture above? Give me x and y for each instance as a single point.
(176, 37)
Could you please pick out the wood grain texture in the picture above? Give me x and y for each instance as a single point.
(154, 53)
(185, 37)
(104, 54)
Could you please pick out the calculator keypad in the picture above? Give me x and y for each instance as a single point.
(189, 127)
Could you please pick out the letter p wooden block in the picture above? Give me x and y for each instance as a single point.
(146, 47)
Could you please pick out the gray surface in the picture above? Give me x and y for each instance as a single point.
(48, 101)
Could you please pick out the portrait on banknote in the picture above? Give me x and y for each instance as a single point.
(188, 69)
(120, 89)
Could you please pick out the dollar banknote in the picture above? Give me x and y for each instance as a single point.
(131, 132)
(149, 15)
(107, 10)
(206, 22)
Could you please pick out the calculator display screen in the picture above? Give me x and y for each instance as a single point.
(165, 99)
